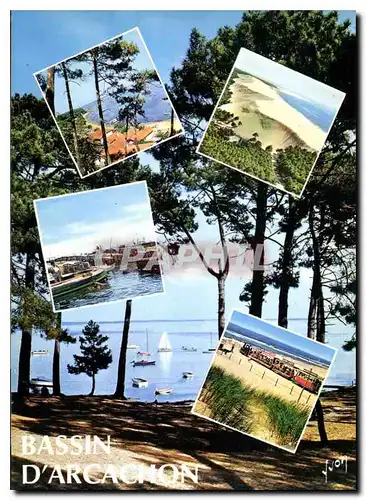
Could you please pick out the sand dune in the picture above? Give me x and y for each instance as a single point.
(265, 112)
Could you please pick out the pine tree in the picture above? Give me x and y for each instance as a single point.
(95, 356)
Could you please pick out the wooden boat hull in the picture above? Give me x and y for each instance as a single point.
(76, 284)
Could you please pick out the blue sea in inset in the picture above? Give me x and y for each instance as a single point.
(156, 107)
(321, 116)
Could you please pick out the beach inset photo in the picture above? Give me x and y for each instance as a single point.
(270, 122)
(99, 246)
(264, 381)
(109, 102)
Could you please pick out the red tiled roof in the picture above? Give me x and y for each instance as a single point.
(116, 140)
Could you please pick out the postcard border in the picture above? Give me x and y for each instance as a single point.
(245, 433)
(253, 176)
(45, 261)
(136, 28)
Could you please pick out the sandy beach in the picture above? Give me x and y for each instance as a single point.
(266, 113)
(169, 433)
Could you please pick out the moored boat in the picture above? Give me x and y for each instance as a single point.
(143, 362)
(133, 346)
(78, 281)
(40, 352)
(142, 383)
(189, 349)
(187, 374)
(163, 392)
(41, 382)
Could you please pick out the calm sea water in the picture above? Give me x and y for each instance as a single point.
(119, 286)
(321, 116)
(167, 373)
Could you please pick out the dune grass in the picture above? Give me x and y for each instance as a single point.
(232, 403)
(288, 419)
(227, 399)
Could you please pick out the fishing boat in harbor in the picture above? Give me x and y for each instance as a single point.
(78, 282)
(163, 392)
(187, 374)
(164, 344)
(142, 383)
(41, 352)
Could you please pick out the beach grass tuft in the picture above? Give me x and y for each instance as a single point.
(233, 403)
(227, 399)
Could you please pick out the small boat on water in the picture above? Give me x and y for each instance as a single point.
(189, 349)
(163, 392)
(164, 344)
(41, 352)
(143, 362)
(68, 277)
(187, 374)
(133, 346)
(41, 382)
(210, 349)
(142, 353)
(142, 383)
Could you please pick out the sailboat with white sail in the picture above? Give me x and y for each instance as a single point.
(164, 344)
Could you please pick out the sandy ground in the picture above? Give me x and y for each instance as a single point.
(164, 126)
(169, 433)
(255, 95)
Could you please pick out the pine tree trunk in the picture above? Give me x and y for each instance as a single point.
(72, 115)
(24, 362)
(56, 369)
(317, 296)
(257, 287)
(26, 341)
(100, 109)
(93, 385)
(286, 261)
(221, 305)
(121, 375)
(172, 123)
(321, 426)
(311, 333)
(126, 137)
(50, 89)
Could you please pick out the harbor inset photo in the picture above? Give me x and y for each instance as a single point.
(264, 381)
(99, 246)
(270, 122)
(109, 102)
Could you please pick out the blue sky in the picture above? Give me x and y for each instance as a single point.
(274, 332)
(42, 38)
(76, 223)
